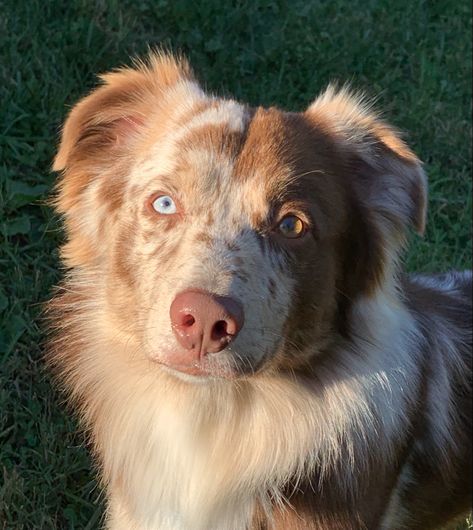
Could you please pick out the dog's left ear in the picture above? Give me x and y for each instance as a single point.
(386, 176)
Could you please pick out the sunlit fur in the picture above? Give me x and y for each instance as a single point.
(335, 388)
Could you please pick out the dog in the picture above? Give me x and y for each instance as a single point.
(234, 328)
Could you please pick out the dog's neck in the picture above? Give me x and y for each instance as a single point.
(186, 430)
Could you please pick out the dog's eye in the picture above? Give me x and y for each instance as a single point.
(164, 204)
(291, 226)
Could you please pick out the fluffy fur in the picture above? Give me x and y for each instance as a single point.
(343, 402)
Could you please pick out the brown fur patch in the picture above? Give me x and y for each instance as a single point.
(342, 380)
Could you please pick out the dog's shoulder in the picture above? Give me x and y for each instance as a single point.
(442, 306)
(444, 298)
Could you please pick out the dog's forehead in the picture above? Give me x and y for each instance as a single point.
(225, 150)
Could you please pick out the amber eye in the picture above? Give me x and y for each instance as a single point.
(291, 226)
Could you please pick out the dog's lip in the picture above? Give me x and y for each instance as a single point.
(189, 369)
(197, 370)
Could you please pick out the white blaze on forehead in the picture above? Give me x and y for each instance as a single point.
(226, 112)
(165, 153)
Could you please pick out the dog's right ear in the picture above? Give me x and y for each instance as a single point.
(98, 141)
(112, 114)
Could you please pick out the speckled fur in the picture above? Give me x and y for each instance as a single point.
(341, 400)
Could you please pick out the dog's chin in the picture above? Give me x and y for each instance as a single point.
(200, 371)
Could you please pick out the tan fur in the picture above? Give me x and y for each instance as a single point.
(309, 416)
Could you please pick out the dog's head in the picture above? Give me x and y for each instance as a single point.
(228, 239)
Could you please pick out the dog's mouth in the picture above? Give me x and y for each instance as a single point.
(229, 364)
(202, 369)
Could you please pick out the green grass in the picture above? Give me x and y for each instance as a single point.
(414, 54)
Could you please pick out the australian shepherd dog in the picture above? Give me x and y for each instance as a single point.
(233, 328)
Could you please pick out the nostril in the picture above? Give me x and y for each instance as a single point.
(219, 330)
(187, 321)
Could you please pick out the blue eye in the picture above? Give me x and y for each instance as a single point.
(164, 205)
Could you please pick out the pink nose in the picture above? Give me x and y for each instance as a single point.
(205, 323)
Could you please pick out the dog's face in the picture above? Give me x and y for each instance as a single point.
(228, 239)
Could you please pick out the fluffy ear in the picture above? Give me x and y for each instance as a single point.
(97, 144)
(386, 176)
(118, 108)
(386, 187)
